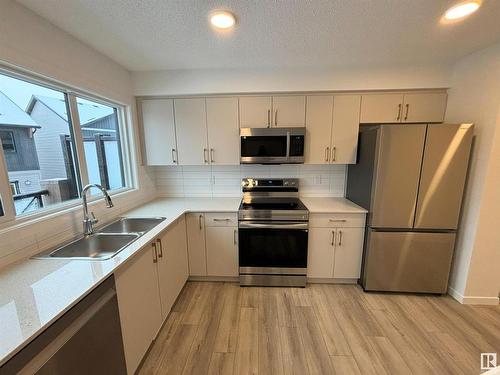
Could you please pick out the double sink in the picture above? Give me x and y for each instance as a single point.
(106, 242)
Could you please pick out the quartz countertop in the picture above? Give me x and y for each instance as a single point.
(331, 205)
(36, 292)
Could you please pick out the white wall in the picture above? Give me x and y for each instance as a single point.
(29, 42)
(225, 180)
(180, 82)
(475, 97)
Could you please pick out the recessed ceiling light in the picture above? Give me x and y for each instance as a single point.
(222, 19)
(462, 10)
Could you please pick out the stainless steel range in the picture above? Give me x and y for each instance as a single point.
(273, 232)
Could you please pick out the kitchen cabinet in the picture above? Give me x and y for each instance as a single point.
(191, 130)
(140, 310)
(403, 108)
(195, 226)
(335, 246)
(332, 124)
(289, 111)
(428, 107)
(173, 271)
(255, 111)
(223, 131)
(222, 251)
(348, 253)
(159, 139)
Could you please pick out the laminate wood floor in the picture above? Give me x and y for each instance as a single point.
(220, 328)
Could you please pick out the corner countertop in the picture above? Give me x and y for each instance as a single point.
(36, 292)
(318, 205)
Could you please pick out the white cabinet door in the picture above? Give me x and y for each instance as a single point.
(381, 108)
(348, 253)
(172, 264)
(139, 305)
(346, 109)
(321, 249)
(289, 111)
(222, 251)
(195, 224)
(191, 129)
(318, 127)
(255, 111)
(424, 107)
(158, 131)
(223, 131)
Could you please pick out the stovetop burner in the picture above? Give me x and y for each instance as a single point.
(272, 204)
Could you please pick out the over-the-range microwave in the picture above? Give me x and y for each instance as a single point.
(272, 145)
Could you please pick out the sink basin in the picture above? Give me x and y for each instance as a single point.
(96, 246)
(132, 225)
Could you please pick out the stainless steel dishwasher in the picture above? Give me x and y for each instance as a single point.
(85, 340)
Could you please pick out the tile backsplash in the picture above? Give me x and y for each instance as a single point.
(225, 180)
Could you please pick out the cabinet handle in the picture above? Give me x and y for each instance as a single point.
(338, 220)
(199, 221)
(276, 118)
(173, 156)
(221, 219)
(333, 238)
(407, 110)
(268, 118)
(205, 153)
(160, 247)
(155, 255)
(211, 155)
(234, 237)
(340, 238)
(327, 153)
(334, 153)
(399, 112)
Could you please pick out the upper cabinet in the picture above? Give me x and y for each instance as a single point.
(289, 111)
(255, 111)
(223, 131)
(160, 146)
(332, 124)
(405, 108)
(276, 111)
(191, 129)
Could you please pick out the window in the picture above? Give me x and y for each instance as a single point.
(40, 148)
(7, 138)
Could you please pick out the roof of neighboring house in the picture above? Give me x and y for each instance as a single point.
(11, 115)
(87, 112)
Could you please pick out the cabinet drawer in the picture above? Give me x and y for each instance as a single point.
(337, 220)
(221, 219)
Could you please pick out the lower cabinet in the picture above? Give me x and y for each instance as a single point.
(335, 252)
(222, 251)
(195, 225)
(147, 287)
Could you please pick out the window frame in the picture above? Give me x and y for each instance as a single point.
(13, 139)
(125, 127)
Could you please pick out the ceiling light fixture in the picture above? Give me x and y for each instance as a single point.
(222, 19)
(462, 10)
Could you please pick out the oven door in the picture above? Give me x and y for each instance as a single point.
(273, 248)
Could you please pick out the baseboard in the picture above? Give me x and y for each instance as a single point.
(472, 300)
(314, 280)
(214, 278)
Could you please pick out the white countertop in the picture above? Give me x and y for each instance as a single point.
(332, 205)
(35, 292)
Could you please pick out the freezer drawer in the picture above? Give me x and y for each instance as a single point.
(407, 261)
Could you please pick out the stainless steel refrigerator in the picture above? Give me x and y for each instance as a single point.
(411, 180)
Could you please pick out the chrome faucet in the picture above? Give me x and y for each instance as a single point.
(90, 220)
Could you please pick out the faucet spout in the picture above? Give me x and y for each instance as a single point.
(90, 220)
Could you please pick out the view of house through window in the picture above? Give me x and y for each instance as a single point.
(101, 140)
(39, 147)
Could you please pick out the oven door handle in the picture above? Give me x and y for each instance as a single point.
(274, 225)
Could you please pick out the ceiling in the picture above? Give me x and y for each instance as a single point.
(175, 34)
